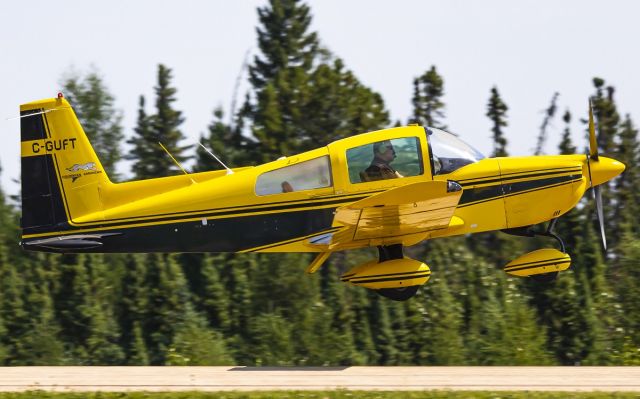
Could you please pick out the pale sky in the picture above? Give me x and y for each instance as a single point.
(529, 49)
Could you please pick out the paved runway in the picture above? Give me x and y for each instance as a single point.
(319, 378)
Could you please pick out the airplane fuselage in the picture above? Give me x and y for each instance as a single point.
(288, 205)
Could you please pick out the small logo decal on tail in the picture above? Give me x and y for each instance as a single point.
(85, 166)
(81, 169)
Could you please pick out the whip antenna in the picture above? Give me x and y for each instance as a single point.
(176, 161)
(229, 171)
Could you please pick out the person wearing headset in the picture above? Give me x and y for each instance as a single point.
(380, 167)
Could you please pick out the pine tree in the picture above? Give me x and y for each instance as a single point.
(497, 112)
(94, 107)
(284, 41)
(86, 312)
(168, 304)
(606, 114)
(628, 294)
(338, 301)
(214, 299)
(607, 122)
(235, 273)
(627, 196)
(279, 76)
(194, 344)
(381, 330)
(132, 308)
(549, 113)
(302, 96)
(13, 316)
(428, 108)
(566, 146)
(40, 344)
(142, 142)
(292, 296)
(226, 142)
(339, 105)
(150, 160)
(272, 335)
(594, 295)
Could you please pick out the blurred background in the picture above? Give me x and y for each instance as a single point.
(256, 80)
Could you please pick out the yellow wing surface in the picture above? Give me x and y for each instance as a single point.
(400, 215)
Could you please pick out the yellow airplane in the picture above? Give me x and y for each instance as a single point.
(387, 189)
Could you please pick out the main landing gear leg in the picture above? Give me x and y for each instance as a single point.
(549, 277)
(390, 252)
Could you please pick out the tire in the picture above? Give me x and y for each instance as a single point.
(545, 278)
(398, 294)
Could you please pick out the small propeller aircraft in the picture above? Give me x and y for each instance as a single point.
(387, 189)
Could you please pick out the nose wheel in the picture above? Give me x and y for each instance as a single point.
(530, 232)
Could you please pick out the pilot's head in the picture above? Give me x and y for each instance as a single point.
(384, 150)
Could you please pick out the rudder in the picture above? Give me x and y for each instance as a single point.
(61, 174)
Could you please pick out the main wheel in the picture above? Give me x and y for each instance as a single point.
(398, 294)
(545, 277)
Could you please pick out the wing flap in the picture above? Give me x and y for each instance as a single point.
(412, 209)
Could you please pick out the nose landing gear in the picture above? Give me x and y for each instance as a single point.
(551, 258)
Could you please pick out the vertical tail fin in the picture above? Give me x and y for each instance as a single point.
(61, 173)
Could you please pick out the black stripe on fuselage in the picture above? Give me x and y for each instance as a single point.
(472, 196)
(517, 175)
(293, 240)
(231, 210)
(222, 235)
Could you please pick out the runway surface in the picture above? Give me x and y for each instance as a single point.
(319, 378)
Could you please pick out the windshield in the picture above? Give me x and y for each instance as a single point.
(449, 152)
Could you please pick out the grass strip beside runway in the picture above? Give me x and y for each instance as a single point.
(338, 394)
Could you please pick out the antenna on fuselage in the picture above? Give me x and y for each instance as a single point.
(229, 171)
(176, 162)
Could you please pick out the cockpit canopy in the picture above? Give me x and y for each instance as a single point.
(449, 152)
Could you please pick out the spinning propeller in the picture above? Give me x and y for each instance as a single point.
(601, 170)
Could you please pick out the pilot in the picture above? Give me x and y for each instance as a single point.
(380, 168)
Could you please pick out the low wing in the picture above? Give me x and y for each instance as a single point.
(407, 211)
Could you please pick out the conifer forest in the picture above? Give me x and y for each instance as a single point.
(263, 309)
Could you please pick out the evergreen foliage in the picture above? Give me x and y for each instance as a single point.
(94, 107)
(497, 113)
(302, 96)
(549, 113)
(428, 107)
(150, 160)
(224, 141)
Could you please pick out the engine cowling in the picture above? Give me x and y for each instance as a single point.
(395, 273)
(541, 261)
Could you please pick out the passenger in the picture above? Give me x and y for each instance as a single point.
(286, 187)
(380, 168)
